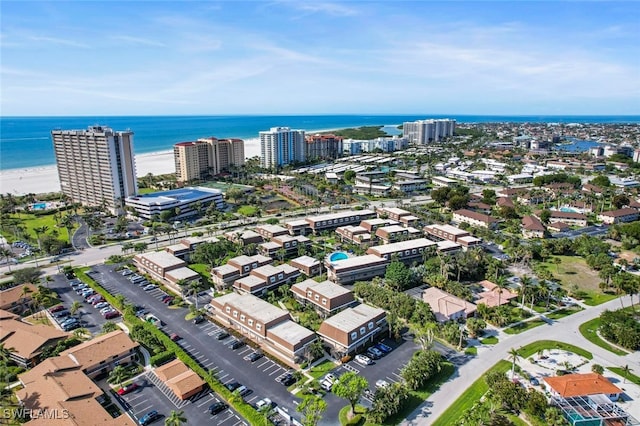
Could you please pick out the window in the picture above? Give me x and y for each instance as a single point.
(363, 330)
(324, 301)
(272, 279)
(250, 322)
(228, 310)
(371, 326)
(317, 298)
(235, 314)
(258, 327)
(309, 294)
(242, 318)
(246, 268)
(354, 335)
(280, 276)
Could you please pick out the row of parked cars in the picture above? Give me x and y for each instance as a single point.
(374, 352)
(64, 319)
(96, 300)
(138, 280)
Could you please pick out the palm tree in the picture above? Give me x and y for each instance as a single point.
(8, 255)
(525, 284)
(176, 418)
(118, 375)
(108, 327)
(501, 284)
(67, 222)
(514, 356)
(626, 371)
(81, 333)
(75, 307)
(40, 230)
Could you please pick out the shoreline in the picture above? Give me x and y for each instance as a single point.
(44, 179)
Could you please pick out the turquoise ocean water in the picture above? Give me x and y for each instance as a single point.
(26, 142)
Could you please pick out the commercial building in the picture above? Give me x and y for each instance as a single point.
(352, 328)
(326, 297)
(426, 131)
(96, 166)
(267, 325)
(24, 341)
(280, 146)
(324, 147)
(180, 203)
(206, 157)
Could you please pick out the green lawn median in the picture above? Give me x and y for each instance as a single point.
(589, 330)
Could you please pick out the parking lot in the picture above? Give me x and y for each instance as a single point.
(89, 316)
(155, 395)
(200, 342)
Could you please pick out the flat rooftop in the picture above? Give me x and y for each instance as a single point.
(401, 246)
(354, 318)
(291, 332)
(325, 288)
(252, 305)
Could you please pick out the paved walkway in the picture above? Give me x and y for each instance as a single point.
(564, 330)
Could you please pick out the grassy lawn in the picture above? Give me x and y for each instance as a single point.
(143, 191)
(573, 270)
(630, 377)
(524, 326)
(358, 419)
(471, 350)
(593, 298)
(535, 347)
(589, 331)
(321, 369)
(31, 221)
(491, 340)
(564, 312)
(202, 269)
(468, 398)
(248, 210)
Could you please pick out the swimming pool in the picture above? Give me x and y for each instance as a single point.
(338, 255)
(38, 206)
(568, 210)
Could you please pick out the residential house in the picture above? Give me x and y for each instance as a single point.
(298, 227)
(307, 265)
(359, 268)
(224, 275)
(571, 385)
(532, 227)
(354, 234)
(453, 234)
(334, 220)
(265, 278)
(474, 218)
(166, 268)
(269, 231)
(187, 246)
(24, 341)
(447, 307)
(287, 243)
(493, 295)
(558, 227)
(244, 238)
(371, 225)
(393, 233)
(571, 218)
(405, 251)
(326, 297)
(17, 299)
(623, 215)
(352, 328)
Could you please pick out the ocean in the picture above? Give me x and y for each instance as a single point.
(25, 141)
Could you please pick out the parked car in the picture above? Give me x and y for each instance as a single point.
(165, 297)
(253, 356)
(71, 326)
(287, 379)
(199, 319)
(149, 287)
(56, 308)
(232, 386)
(106, 309)
(237, 344)
(168, 300)
(326, 385)
(97, 300)
(376, 352)
(329, 378)
(533, 381)
(363, 360)
(217, 407)
(372, 355)
(149, 418)
(243, 391)
(61, 314)
(68, 321)
(175, 337)
(264, 402)
(101, 305)
(222, 335)
(112, 314)
(381, 384)
(384, 348)
(128, 389)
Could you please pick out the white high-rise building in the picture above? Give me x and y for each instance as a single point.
(425, 131)
(96, 166)
(281, 145)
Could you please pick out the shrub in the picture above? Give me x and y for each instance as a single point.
(162, 358)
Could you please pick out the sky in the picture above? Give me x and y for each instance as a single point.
(315, 57)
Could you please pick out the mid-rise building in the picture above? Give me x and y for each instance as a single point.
(181, 203)
(206, 157)
(280, 146)
(96, 166)
(324, 147)
(425, 131)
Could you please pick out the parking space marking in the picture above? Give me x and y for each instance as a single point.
(274, 372)
(222, 377)
(144, 410)
(351, 368)
(226, 418)
(273, 364)
(206, 401)
(266, 361)
(210, 364)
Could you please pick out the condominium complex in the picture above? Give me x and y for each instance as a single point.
(281, 145)
(425, 131)
(323, 147)
(206, 157)
(96, 166)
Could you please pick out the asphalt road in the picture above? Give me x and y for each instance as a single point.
(564, 330)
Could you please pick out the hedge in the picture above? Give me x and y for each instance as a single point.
(162, 358)
(244, 409)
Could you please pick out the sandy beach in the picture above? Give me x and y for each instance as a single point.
(38, 180)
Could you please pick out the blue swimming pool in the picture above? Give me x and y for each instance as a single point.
(568, 210)
(38, 206)
(338, 255)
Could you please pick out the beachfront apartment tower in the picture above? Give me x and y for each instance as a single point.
(280, 146)
(425, 131)
(96, 166)
(206, 157)
(324, 147)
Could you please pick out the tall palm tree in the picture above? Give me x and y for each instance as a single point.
(525, 284)
(118, 375)
(40, 230)
(514, 356)
(626, 371)
(8, 255)
(176, 418)
(81, 333)
(75, 307)
(501, 284)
